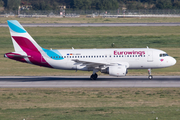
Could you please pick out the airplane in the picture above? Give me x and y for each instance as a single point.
(114, 61)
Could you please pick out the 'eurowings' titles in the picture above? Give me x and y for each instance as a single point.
(129, 52)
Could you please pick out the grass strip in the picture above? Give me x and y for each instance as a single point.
(83, 19)
(89, 103)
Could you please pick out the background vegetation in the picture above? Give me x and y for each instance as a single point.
(92, 4)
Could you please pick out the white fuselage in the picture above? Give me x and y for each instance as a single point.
(133, 58)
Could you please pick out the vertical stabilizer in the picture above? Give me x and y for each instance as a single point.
(21, 39)
(26, 48)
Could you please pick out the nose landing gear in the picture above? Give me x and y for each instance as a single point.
(150, 77)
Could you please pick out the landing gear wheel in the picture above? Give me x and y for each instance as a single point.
(94, 76)
(150, 77)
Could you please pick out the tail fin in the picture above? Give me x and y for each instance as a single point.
(21, 39)
(26, 48)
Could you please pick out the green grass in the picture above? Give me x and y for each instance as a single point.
(83, 19)
(100, 37)
(85, 103)
(99, 113)
(165, 38)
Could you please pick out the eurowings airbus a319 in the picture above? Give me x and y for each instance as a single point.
(114, 62)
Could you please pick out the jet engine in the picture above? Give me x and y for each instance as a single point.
(118, 71)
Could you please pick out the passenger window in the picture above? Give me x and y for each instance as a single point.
(64, 56)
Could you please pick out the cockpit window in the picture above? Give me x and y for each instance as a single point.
(163, 55)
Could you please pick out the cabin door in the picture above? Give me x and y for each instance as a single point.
(150, 56)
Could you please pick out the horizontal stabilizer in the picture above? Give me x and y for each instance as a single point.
(16, 55)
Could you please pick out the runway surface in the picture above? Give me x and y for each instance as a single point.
(92, 24)
(84, 81)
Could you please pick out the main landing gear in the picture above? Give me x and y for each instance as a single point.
(150, 76)
(94, 75)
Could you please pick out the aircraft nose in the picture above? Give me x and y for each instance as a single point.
(173, 61)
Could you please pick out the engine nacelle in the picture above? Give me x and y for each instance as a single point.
(118, 71)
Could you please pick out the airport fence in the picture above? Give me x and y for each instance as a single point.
(90, 13)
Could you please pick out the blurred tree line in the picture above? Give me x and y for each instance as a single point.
(92, 4)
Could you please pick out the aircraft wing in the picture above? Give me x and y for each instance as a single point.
(99, 64)
(90, 63)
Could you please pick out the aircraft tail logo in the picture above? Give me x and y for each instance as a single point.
(22, 41)
(26, 48)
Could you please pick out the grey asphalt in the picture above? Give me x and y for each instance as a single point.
(92, 24)
(84, 81)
